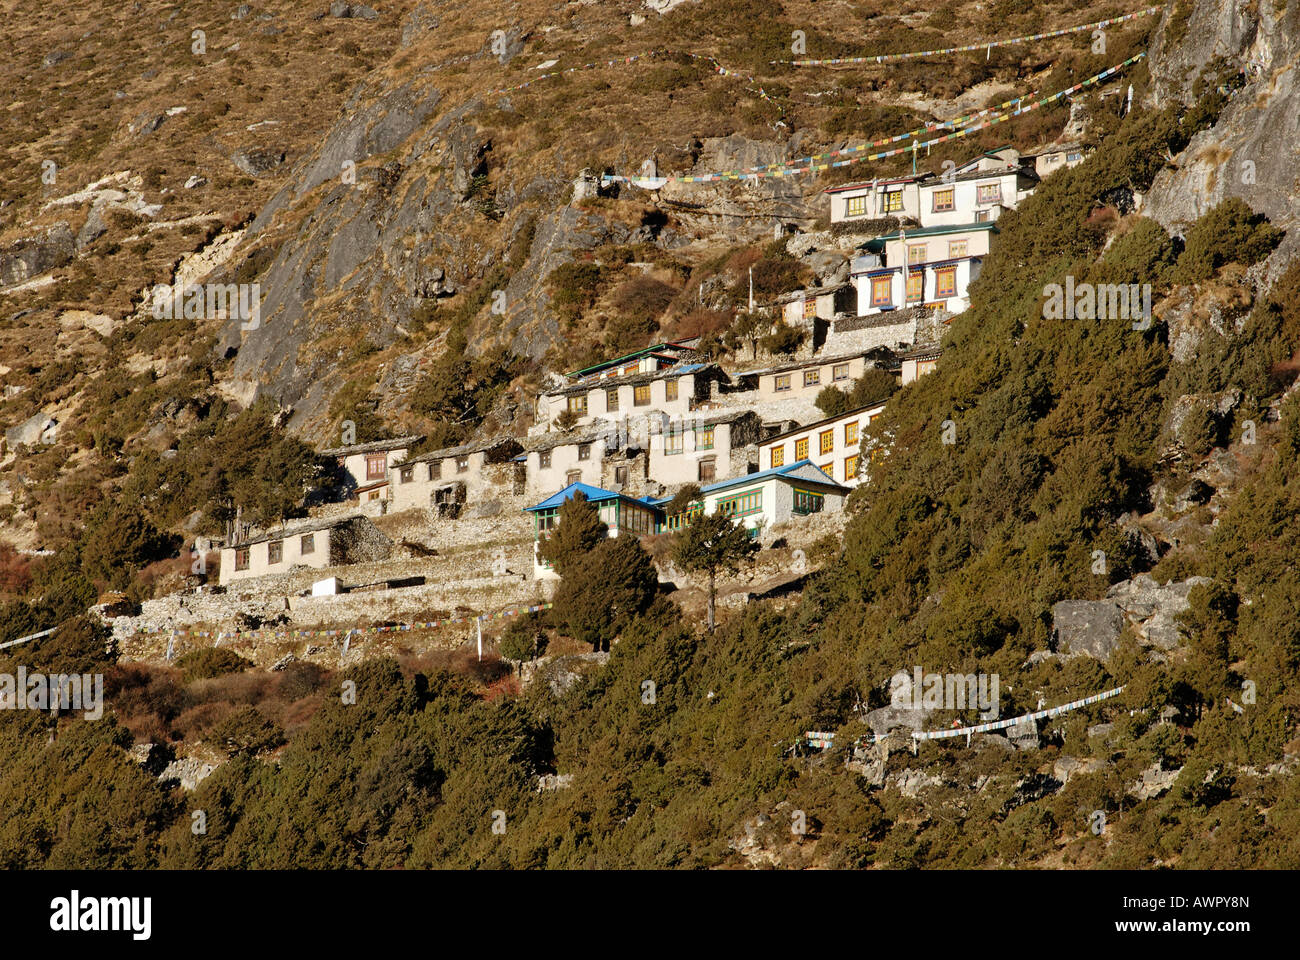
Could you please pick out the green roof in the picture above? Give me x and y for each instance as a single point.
(617, 360)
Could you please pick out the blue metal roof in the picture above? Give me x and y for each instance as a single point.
(593, 495)
(764, 475)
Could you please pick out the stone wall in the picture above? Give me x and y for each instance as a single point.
(357, 541)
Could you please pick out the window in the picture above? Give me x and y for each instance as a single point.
(915, 286)
(641, 395)
(801, 449)
(673, 440)
(584, 451)
(670, 389)
(573, 476)
(741, 504)
(805, 501)
(891, 201)
(611, 400)
(703, 438)
(840, 371)
(708, 470)
(826, 441)
(945, 282)
(435, 469)
(781, 383)
(811, 378)
(915, 254)
(1073, 157)
(956, 248)
(275, 551)
(241, 558)
(544, 460)
(851, 468)
(810, 308)
(677, 521)
(376, 466)
(981, 216)
(578, 404)
(855, 207)
(373, 495)
(988, 193)
(778, 456)
(635, 520)
(406, 474)
(943, 201)
(850, 434)
(882, 291)
(620, 476)
(546, 521)
(307, 544)
(462, 464)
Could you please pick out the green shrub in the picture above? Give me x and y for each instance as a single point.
(246, 731)
(210, 662)
(1230, 232)
(832, 401)
(784, 339)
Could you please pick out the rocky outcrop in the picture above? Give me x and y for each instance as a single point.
(257, 161)
(29, 256)
(1250, 152)
(1093, 627)
(1154, 609)
(187, 773)
(1090, 627)
(1154, 781)
(343, 10)
(1066, 768)
(40, 428)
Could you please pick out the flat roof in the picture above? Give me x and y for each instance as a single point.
(886, 318)
(722, 416)
(990, 225)
(814, 292)
(1055, 148)
(552, 439)
(922, 353)
(460, 451)
(865, 184)
(307, 526)
(373, 446)
(800, 364)
(1006, 171)
(821, 423)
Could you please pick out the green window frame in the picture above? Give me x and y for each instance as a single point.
(679, 521)
(806, 501)
(741, 504)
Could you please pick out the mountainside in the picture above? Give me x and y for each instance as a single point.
(1072, 504)
(1248, 151)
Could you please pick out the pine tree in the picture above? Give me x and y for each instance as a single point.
(603, 589)
(579, 530)
(713, 544)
